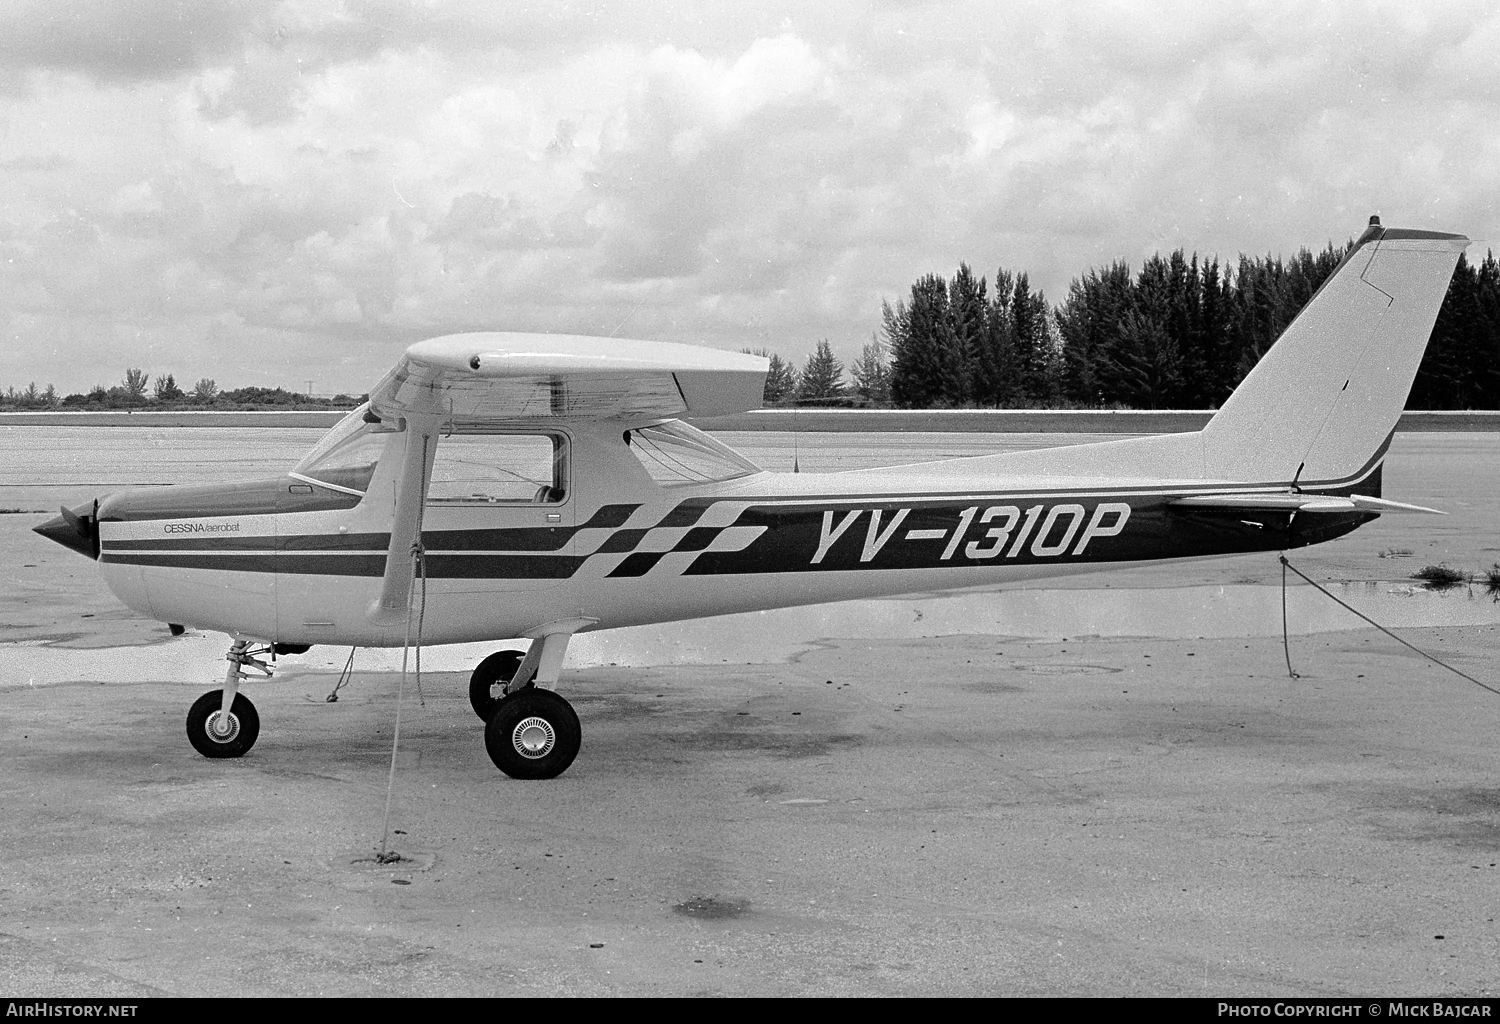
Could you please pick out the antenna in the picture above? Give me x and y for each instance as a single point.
(796, 467)
(632, 313)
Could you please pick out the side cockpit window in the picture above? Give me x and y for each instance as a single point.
(510, 469)
(674, 453)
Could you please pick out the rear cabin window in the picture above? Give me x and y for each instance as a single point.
(507, 469)
(675, 453)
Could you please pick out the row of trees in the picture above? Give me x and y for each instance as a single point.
(956, 345)
(1179, 333)
(165, 393)
(1461, 369)
(821, 379)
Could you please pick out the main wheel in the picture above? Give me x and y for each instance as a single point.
(534, 734)
(244, 725)
(489, 679)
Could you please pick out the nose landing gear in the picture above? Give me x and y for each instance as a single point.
(214, 734)
(223, 723)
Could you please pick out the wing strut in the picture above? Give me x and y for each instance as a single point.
(389, 608)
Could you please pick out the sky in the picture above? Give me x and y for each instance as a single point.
(273, 193)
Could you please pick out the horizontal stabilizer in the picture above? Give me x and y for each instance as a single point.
(1286, 502)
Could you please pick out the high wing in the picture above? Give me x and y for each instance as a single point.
(494, 376)
(1291, 502)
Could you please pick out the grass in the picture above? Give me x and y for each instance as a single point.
(1492, 581)
(1440, 577)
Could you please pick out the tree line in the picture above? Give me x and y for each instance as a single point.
(1179, 333)
(138, 391)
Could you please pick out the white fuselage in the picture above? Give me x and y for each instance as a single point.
(623, 550)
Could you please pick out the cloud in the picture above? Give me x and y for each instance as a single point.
(123, 42)
(268, 185)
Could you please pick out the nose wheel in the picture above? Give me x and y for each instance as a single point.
(533, 734)
(214, 734)
(223, 723)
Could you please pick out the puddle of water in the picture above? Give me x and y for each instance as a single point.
(770, 637)
(198, 658)
(712, 908)
(1157, 613)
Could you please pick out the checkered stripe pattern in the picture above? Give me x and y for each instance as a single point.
(667, 546)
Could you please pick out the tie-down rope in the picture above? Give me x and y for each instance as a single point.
(418, 572)
(1285, 565)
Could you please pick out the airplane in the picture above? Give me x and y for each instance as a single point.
(527, 486)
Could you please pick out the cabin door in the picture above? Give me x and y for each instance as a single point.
(500, 512)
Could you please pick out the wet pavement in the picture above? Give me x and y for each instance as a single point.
(1106, 786)
(966, 815)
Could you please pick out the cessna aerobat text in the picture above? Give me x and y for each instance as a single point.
(534, 486)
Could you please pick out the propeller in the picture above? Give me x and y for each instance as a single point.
(74, 528)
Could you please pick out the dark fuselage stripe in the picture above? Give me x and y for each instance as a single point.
(439, 566)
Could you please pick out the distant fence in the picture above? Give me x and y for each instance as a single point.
(996, 421)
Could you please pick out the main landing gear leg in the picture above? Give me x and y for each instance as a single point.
(533, 733)
(223, 723)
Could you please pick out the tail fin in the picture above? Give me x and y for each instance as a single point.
(1320, 406)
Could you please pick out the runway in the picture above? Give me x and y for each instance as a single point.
(1105, 787)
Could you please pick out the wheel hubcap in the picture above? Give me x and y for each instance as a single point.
(533, 737)
(213, 728)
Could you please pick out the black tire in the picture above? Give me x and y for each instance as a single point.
(241, 713)
(493, 673)
(533, 735)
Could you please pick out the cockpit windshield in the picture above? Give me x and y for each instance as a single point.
(675, 453)
(345, 459)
